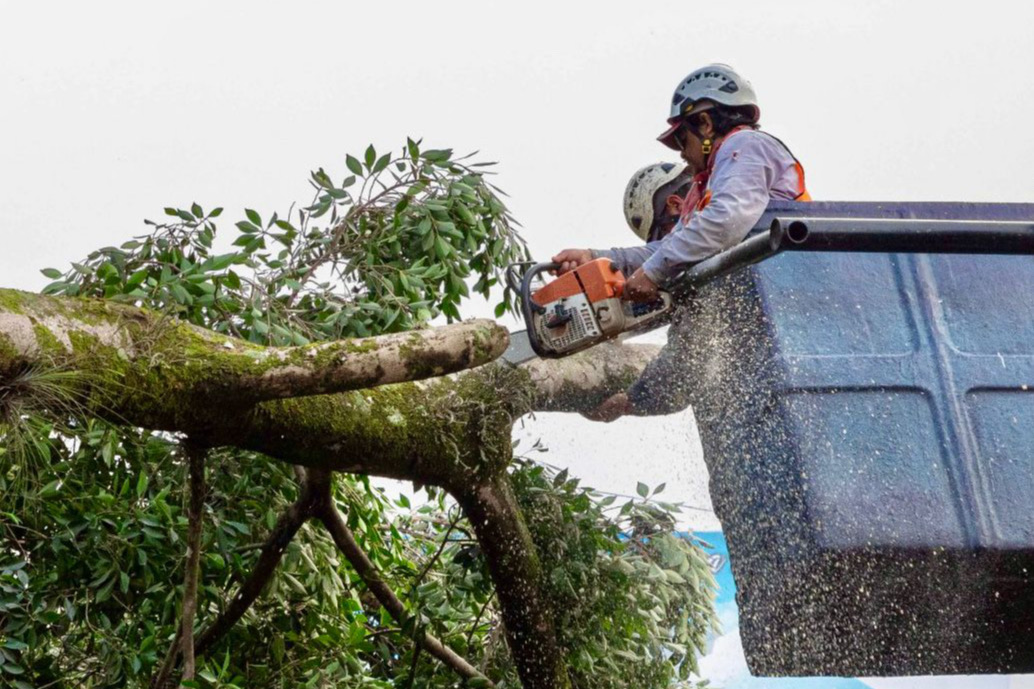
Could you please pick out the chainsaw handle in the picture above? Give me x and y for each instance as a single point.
(527, 304)
(529, 308)
(515, 274)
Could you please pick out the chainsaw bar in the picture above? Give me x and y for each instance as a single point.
(520, 349)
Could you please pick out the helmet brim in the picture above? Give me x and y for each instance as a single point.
(668, 136)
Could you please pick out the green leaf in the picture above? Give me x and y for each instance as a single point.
(659, 488)
(560, 479)
(322, 179)
(141, 484)
(642, 489)
(51, 489)
(382, 162)
(371, 156)
(253, 217)
(247, 227)
(196, 210)
(437, 155)
(52, 273)
(354, 165)
(136, 279)
(181, 295)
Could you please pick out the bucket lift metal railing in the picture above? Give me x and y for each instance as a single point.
(871, 235)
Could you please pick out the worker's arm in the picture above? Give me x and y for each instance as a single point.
(740, 190)
(629, 259)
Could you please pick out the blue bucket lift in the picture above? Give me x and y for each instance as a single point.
(865, 399)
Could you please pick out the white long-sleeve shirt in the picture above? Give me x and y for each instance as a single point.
(750, 169)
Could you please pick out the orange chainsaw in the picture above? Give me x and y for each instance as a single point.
(577, 310)
(585, 307)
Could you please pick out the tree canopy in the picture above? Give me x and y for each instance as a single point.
(188, 436)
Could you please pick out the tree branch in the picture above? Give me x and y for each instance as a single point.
(343, 537)
(581, 381)
(210, 368)
(183, 643)
(514, 565)
(452, 430)
(196, 461)
(287, 526)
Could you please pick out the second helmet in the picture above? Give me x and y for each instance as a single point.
(640, 194)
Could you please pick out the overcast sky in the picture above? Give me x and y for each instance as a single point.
(110, 111)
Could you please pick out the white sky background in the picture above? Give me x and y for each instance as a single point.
(110, 111)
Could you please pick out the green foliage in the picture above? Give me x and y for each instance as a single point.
(390, 247)
(633, 599)
(92, 524)
(91, 566)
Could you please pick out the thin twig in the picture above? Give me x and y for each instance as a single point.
(477, 621)
(412, 666)
(438, 553)
(272, 552)
(345, 540)
(161, 680)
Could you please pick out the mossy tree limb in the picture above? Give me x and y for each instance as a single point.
(210, 368)
(140, 369)
(578, 383)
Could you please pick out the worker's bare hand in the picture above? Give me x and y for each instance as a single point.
(640, 288)
(569, 259)
(612, 408)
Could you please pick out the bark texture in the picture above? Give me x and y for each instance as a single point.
(516, 573)
(198, 364)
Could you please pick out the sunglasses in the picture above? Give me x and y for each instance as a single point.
(679, 136)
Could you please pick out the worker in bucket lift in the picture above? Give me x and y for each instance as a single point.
(653, 199)
(737, 170)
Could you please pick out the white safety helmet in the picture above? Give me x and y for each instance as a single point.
(640, 203)
(715, 83)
